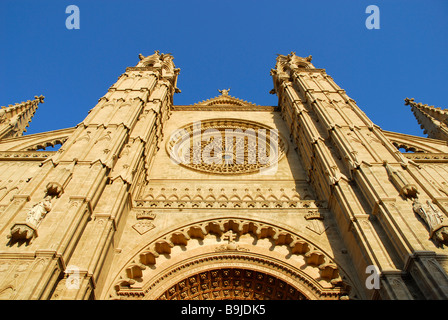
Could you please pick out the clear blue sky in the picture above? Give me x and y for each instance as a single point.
(221, 44)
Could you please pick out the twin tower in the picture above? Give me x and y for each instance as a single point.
(336, 212)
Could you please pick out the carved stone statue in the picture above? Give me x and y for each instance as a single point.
(438, 229)
(27, 231)
(38, 211)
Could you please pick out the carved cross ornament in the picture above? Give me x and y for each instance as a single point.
(230, 237)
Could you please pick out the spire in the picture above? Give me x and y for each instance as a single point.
(433, 120)
(15, 118)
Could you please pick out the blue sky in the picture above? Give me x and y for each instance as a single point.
(221, 44)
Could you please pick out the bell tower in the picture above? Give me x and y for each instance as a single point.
(86, 184)
(370, 186)
(117, 140)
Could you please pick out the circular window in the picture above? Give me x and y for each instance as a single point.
(226, 146)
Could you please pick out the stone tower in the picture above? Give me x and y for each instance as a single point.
(223, 199)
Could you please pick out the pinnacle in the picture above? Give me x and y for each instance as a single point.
(408, 101)
(433, 120)
(40, 98)
(15, 118)
(424, 107)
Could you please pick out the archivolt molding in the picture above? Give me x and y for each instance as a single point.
(301, 286)
(128, 283)
(232, 283)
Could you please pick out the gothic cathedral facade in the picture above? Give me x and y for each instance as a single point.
(304, 200)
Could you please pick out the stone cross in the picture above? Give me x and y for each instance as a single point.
(230, 236)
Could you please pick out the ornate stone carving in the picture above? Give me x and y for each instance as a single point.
(315, 222)
(22, 232)
(232, 284)
(438, 227)
(155, 60)
(145, 214)
(144, 224)
(27, 231)
(26, 155)
(224, 201)
(228, 230)
(231, 245)
(39, 211)
(270, 270)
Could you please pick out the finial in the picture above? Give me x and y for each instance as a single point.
(407, 101)
(140, 56)
(40, 98)
(224, 92)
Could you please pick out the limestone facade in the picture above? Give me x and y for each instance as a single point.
(112, 215)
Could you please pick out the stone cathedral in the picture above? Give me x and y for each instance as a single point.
(307, 199)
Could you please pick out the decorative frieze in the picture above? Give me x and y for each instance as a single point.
(427, 157)
(225, 197)
(26, 155)
(229, 204)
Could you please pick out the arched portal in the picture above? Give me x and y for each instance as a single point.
(232, 284)
(224, 259)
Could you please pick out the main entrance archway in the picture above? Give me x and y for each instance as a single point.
(224, 259)
(232, 284)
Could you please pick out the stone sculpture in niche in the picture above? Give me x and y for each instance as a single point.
(27, 231)
(39, 211)
(438, 228)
